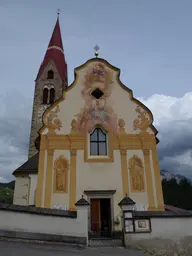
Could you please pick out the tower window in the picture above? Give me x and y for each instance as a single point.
(52, 96)
(98, 143)
(50, 74)
(45, 95)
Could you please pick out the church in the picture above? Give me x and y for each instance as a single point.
(90, 138)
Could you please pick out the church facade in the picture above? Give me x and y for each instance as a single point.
(92, 138)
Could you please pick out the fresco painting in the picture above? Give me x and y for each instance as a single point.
(97, 110)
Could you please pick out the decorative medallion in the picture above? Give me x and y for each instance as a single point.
(143, 122)
(52, 121)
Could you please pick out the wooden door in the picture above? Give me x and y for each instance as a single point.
(95, 215)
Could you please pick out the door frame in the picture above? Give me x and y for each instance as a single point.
(100, 194)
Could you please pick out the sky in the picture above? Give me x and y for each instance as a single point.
(150, 41)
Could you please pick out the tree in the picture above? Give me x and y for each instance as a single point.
(177, 194)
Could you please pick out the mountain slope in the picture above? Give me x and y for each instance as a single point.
(168, 176)
(10, 185)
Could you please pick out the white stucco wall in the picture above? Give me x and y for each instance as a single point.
(36, 223)
(33, 186)
(166, 232)
(21, 191)
(100, 176)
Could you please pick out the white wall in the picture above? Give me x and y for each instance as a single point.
(33, 186)
(100, 176)
(21, 191)
(167, 233)
(44, 224)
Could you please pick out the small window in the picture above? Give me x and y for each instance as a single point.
(97, 93)
(52, 96)
(45, 95)
(98, 143)
(50, 74)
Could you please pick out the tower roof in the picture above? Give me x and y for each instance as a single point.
(55, 53)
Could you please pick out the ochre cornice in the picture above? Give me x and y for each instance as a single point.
(122, 141)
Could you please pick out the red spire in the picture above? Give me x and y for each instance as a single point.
(55, 53)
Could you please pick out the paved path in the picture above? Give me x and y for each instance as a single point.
(8, 248)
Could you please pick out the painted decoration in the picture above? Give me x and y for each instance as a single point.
(61, 169)
(136, 174)
(96, 92)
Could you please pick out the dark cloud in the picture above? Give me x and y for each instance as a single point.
(15, 112)
(175, 138)
(173, 120)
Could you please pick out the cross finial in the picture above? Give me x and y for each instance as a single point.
(58, 12)
(96, 48)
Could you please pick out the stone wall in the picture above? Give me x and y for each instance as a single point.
(170, 234)
(44, 224)
(59, 86)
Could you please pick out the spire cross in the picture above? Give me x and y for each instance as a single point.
(96, 48)
(58, 12)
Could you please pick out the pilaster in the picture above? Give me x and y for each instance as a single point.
(158, 184)
(41, 166)
(49, 179)
(148, 173)
(73, 180)
(124, 171)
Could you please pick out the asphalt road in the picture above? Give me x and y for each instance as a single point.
(9, 248)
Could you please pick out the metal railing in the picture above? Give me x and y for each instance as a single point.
(103, 229)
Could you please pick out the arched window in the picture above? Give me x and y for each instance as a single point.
(52, 96)
(98, 143)
(45, 95)
(50, 74)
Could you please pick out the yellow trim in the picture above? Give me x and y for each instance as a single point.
(35, 196)
(96, 159)
(73, 181)
(29, 188)
(41, 165)
(148, 174)
(49, 183)
(124, 171)
(128, 141)
(158, 184)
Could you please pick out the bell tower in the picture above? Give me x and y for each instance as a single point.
(50, 83)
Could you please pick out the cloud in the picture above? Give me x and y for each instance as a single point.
(15, 115)
(173, 119)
